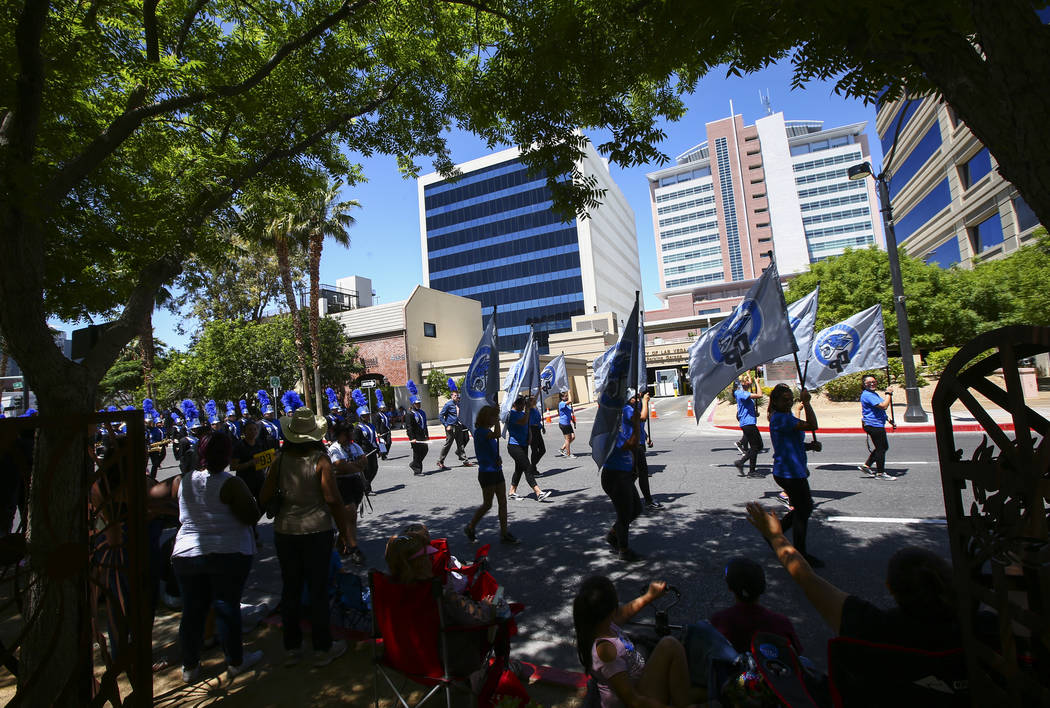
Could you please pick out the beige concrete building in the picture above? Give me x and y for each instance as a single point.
(396, 339)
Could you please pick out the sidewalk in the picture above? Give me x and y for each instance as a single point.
(845, 417)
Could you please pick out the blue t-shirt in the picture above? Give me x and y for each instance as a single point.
(535, 418)
(789, 455)
(486, 449)
(564, 413)
(745, 407)
(628, 414)
(518, 428)
(870, 412)
(621, 458)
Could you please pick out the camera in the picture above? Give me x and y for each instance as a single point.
(814, 446)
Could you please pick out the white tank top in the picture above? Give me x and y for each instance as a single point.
(208, 524)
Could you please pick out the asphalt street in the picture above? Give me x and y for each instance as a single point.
(858, 523)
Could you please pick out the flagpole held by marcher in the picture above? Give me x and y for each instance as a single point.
(893, 418)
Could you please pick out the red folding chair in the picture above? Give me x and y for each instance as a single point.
(412, 637)
(865, 674)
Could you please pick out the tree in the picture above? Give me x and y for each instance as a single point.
(282, 233)
(318, 218)
(858, 279)
(985, 58)
(234, 358)
(1010, 290)
(437, 383)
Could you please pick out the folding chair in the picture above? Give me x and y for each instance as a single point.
(867, 674)
(411, 636)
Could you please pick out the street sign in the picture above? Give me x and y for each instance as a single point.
(368, 383)
(275, 382)
(17, 386)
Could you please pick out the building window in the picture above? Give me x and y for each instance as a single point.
(430, 329)
(987, 234)
(928, 207)
(1026, 218)
(907, 168)
(971, 171)
(946, 255)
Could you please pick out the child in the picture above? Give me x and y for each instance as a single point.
(747, 582)
(490, 474)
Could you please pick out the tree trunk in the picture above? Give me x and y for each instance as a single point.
(297, 324)
(3, 363)
(316, 245)
(149, 352)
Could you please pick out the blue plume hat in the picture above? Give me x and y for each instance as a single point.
(291, 402)
(264, 401)
(129, 408)
(413, 392)
(361, 401)
(212, 410)
(231, 409)
(452, 385)
(333, 399)
(244, 407)
(379, 399)
(30, 412)
(149, 411)
(192, 416)
(112, 409)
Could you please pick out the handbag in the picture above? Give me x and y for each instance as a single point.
(273, 507)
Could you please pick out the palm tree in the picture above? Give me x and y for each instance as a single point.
(281, 231)
(146, 342)
(321, 217)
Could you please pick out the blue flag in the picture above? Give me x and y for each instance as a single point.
(554, 378)
(619, 372)
(755, 332)
(481, 385)
(853, 345)
(523, 377)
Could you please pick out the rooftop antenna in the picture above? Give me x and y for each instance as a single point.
(767, 102)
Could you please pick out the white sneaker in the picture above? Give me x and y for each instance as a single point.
(191, 675)
(250, 659)
(514, 496)
(543, 495)
(560, 453)
(866, 470)
(335, 651)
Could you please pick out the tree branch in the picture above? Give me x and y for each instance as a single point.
(187, 23)
(482, 8)
(149, 26)
(129, 121)
(21, 127)
(139, 306)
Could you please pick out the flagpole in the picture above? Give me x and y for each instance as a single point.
(893, 418)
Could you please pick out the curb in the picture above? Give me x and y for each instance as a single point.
(960, 428)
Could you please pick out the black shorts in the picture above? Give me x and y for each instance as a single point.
(566, 429)
(351, 487)
(490, 478)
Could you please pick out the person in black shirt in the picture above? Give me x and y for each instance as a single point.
(252, 456)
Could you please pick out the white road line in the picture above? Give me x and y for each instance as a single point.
(887, 520)
(817, 462)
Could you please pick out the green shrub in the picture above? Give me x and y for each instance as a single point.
(849, 387)
(936, 361)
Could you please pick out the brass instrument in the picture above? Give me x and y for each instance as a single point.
(160, 445)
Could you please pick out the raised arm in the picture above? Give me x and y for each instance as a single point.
(827, 599)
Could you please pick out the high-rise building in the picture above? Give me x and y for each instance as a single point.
(494, 236)
(776, 186)
(950, 205)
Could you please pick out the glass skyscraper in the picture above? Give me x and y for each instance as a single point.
(493, 236)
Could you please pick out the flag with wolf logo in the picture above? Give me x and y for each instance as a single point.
(523, 377)
(755, 332)
(481, 384)
(619, 372)
(802, 316)
(554, 378)
(856, 344)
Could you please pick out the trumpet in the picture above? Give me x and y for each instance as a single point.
(160, 445)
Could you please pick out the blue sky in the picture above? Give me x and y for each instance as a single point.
(385, 239)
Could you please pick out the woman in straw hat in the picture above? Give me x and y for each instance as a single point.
(310, 501)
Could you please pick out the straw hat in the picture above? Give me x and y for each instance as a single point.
(303, 426)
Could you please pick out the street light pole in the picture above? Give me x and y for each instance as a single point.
(914, 412)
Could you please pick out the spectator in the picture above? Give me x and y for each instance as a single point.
(920, 582)
(747, 582)
(302, 535)
(624, 678)
(349, 464)
(213, 554)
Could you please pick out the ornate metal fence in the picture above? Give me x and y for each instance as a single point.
(109, 615)
(997, 499)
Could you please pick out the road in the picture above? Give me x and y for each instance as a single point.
(857, 524)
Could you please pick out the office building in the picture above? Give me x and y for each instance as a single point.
(950, 205)
(494, 236)
(776, 186)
